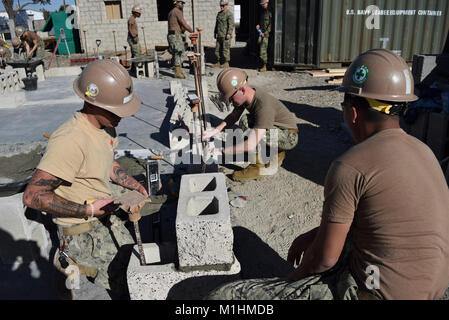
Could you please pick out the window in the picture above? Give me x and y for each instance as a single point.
(163, 8)
(113, 10)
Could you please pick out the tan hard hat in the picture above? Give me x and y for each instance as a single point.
(229, 81)
(2, 51)
(16, 42)
(223, 2)
(106, 84)
(380, 74)
(19, 31)
(137, 9)
(263, 1)
(2, 42)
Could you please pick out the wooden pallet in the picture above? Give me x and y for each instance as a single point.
(335, 80)
(328, 73)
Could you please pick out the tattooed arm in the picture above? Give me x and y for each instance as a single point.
(122, 178)
(40, 195)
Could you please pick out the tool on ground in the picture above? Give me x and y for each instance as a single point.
(62, 32)
(98, 42)
(144, 40)
(85, 44)
(153, 174)
(133, 202)
(115, 44)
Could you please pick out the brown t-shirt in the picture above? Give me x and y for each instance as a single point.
(393, 191)
(29, 37)
(82, 155)
(266, 111)
(176, 21)
(132, 27)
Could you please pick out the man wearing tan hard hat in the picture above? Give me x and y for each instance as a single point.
(384, 227)
(267, 118)
(5, 54)
(33, 44)
(72, 181)
(176, 28)
(133, 32)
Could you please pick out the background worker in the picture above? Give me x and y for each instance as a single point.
(267, 117)
(176, 28)
(34, 45)
(133, 32)
(19, 52)
(5, 53)
(264, 29)
(383, 233)
(224, 28)
(78, 166)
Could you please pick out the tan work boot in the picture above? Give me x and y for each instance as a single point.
(178, 73)
(263, 69)
(225, 65)
(251, 172)
(216, 65)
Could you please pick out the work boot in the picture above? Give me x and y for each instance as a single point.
(251, 172)
(225, 65)
(216, 65)
(263, 69)
(178, 73)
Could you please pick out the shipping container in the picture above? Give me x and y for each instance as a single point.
(326, 33)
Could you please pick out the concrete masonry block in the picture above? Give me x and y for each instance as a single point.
(20, 229)
(161, 280)
(203, 224)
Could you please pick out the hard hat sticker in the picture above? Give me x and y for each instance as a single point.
(234, 82)
(92, 90)
(360, 74)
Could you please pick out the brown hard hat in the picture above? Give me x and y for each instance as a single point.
(223, 2)
(229, 81)
(380, 74)
(137, 9)
(16, 42)
(20, 30)
(106, 84)
(2, 51)
(263, 1)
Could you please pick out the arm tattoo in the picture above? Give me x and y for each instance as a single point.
(40, 195)
(121, 177)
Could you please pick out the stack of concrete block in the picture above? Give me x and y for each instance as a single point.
(205, 257)
(177, 137)
(145, 70)
(203, 223)
(9, 81)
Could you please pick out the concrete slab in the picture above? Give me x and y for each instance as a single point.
(63, 71)
(12, 100)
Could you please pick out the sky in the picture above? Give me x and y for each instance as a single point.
(55, 4)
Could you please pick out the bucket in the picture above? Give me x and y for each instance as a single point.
(30, 83)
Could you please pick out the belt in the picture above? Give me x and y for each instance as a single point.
(77, 229)
(173, 32)
(293, 130)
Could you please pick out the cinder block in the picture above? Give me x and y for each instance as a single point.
(203, 224)
(160, 280)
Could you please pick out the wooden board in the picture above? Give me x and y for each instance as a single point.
(335, 81)
(341, 70)
(325, 74)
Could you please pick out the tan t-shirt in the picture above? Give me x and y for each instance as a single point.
(176, 21)
(82, 155)
(266, 111)
(132, 27)
(393, 191)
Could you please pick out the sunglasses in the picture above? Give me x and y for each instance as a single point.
(231, 97)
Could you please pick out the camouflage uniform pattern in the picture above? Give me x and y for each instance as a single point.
(40, 50)
(265, 26)
(224, 25)
(136, 49)
(7, 55)
(285, 140)
(335, 284)
(98, 248)
(176, 47)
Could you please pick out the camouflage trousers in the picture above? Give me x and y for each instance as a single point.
(176, 48)
(40, 50)
(223, 50)
(8, 54)
(286, 140)
(335, 284)
(263, 48)
(136, 49)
